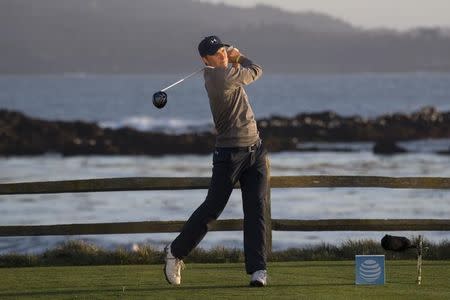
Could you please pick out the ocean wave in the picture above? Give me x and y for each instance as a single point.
(169, 126)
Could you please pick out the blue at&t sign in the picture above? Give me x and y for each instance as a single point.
(369, 269)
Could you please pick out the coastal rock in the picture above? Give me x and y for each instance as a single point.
(387, 147)
(444, 152)
(23, 135)
(328, 126)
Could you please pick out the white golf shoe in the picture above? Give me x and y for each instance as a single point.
(172, 268)
(259, 278)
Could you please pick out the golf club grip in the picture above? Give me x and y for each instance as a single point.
(182, 79)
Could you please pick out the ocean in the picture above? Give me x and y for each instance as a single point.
(125, 100)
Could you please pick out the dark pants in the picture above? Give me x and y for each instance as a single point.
(229, 166)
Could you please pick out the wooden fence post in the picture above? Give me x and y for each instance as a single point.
(267, 212)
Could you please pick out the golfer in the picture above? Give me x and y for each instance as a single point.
(238, 156)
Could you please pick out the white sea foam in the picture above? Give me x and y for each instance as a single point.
(170, 125)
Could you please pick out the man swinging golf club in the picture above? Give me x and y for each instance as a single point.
(238, 156)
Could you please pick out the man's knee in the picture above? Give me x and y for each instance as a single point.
(211, 210)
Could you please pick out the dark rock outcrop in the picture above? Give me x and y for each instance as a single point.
(22, 135)
(328, 126)
(387, 147)
(444, 152)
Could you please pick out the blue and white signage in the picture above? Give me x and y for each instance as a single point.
(369, 269)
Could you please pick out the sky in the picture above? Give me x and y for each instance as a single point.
(397, 14)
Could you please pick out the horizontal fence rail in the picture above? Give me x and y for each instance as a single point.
(229, 225)
(191, 183)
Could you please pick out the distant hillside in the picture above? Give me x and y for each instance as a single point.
(134, 36)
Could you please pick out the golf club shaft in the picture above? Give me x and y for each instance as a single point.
(182, 79)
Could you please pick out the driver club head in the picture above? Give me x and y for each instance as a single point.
(159, 99)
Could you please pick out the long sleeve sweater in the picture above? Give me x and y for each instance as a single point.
(232, 114)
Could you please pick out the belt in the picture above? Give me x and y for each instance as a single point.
(250, 148)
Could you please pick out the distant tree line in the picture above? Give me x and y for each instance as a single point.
(137, 36)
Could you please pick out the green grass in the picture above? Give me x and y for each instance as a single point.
(299, 280)
(81, 253)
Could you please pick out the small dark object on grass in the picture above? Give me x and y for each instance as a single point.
(396, 243)
(399, 244)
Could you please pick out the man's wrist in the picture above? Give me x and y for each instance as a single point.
(235, 60)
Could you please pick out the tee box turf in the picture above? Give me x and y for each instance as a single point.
(369, 269)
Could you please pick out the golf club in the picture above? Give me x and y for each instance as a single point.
(160, 97)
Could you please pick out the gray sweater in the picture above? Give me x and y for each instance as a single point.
(233, 116)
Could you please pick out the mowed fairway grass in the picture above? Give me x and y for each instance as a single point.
(288, 280)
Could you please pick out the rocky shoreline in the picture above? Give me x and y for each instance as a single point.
(23, 135)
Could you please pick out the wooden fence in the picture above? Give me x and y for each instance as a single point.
(174, 183)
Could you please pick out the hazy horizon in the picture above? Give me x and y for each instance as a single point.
(400, 15)
(125, 36)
